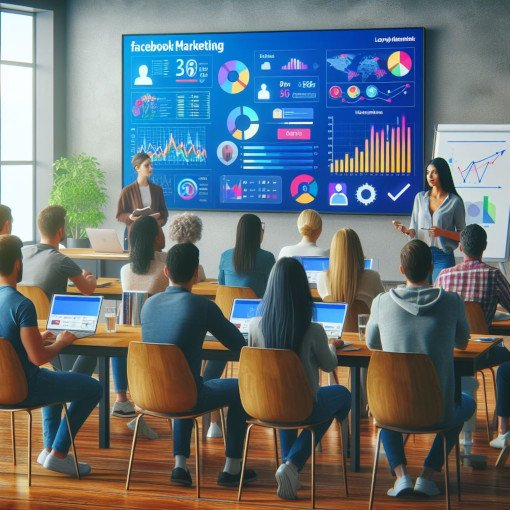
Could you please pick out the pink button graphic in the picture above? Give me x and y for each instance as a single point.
(294, 134)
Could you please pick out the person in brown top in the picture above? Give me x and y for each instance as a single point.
(141, 197)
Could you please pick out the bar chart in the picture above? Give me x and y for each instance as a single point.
(385, 149)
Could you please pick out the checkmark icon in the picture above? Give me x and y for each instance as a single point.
(400, 193)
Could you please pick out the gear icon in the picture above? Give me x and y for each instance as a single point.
(366, 194)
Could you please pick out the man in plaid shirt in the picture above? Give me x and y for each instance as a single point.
(473, 279)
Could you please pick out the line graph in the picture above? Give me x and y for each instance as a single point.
(172, 145)
(478, 169)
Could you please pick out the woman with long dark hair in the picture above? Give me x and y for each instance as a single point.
(247, 264)
(438, 216)
(286, 323)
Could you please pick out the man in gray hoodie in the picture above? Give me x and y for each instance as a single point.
(420, 318)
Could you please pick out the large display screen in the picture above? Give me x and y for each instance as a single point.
(278, 121)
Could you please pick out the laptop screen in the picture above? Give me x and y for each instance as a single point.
(314, 265)
(369, 263)
(331, 316)
(243, 310)
(77, 313)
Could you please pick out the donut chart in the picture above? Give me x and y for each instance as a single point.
(399, 63)
(303, 189)
(233, 76)
(243, 123)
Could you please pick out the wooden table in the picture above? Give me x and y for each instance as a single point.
(99, 257)
(500, 328)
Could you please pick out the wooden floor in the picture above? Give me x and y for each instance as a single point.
(104, 488)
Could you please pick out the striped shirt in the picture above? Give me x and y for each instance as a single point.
(476, 281)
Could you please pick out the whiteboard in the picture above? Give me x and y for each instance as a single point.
(479, 158)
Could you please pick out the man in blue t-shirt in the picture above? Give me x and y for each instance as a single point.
(18, 325)
(179, 317)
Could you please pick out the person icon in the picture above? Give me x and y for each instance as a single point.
(143, 79)
(338, 198)
(263, 93)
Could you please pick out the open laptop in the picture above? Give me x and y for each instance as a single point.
(243, 311)
(331, 316)
(104, 240)
(77, 314)
(314, 265)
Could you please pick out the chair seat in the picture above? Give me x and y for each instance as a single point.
(177, 416)
(437, 428)
(286, 426)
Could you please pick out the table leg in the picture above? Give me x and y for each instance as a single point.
(355, 419)
(104, 403)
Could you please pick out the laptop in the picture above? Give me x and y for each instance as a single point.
(369, 263)
(77, 314)
(243, 311)
(331, 316)
(315, 265)
(104, 240)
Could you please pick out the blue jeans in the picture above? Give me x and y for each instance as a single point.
(213, 369)
(503, 386)
(212, 394)
(331, 401)
(47, 386)
(441, 260)
(119, 372)
(394, 443)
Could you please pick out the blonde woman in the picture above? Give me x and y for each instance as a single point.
(347, 279)
(309, 225)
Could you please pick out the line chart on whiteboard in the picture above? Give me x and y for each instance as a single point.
(475, 171)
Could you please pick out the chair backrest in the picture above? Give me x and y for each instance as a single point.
(225, 296)
(476, 318)
(273, 385)
(14, 387)
(160, 378)
(351, 319)
(38, 297)
(403, 390)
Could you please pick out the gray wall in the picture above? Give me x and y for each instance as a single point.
(467, 81)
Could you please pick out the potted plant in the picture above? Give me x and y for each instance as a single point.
(79, 186)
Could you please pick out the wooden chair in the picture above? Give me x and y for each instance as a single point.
(161, 384)
(477, 325)
(275, 392)
(405, 396)
(39, 298)
(14, 389)
(225, 296)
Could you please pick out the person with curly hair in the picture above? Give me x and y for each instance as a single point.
(187, 228)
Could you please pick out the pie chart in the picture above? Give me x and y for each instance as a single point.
(303, 189)
(233, 76)
(399, 63)
(243, 123)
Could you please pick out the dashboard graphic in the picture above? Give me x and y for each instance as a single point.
(281, 121)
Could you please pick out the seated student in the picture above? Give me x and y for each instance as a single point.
(5, 219)
(419, 318)
(502, 405)
(347, 279)
(286, 323)
(45, 267)
(247, 264)
(476, 281)
(309, 224)
(143, 273)
(187, 228)
(18, 325)
(179, 317)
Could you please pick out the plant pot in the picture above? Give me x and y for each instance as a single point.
(77, 243)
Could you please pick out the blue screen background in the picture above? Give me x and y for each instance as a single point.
(64, 305)
(325, 313)
(264, 121)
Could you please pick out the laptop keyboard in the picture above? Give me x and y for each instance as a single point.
(77, 334)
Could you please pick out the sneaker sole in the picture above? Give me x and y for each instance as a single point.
(403, 492)
(118, 414)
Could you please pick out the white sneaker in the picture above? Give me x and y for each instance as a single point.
(143, 429)
(500, 441)
(66, 465)
(426, 487)
(403, 486)
(287, 478)
(42, 456)
(123, 409)
(214, 430)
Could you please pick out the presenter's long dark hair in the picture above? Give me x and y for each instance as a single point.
(142, 238)
(286, 307)
(248, 239)
(445, 175)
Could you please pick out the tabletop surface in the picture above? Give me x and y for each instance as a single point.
(90, 254)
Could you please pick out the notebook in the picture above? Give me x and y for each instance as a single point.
(77, 314)
(315, 265)
(104, 240)
(331, 316)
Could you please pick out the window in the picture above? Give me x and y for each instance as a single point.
(17, 120)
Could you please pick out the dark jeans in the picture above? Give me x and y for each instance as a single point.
(331, 402)
(81, 390)
(441, 260)
(503, 390)
(212, 394)
(394, 443)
